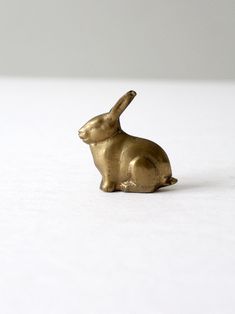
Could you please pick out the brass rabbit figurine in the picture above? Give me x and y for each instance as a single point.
(126, 163)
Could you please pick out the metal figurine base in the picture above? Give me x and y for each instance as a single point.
(126, 163)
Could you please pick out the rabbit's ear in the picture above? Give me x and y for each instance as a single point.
(122, 104)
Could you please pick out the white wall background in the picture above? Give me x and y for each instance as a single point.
(175, 39)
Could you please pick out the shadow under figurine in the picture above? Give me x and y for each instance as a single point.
(126, 163)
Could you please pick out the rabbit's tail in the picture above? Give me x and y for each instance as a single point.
(171, 181)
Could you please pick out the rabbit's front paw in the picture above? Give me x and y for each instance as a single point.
(107, 186)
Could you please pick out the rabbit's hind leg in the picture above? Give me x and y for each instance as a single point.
(142, 176)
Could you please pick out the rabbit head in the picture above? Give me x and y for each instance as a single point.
(105, 125)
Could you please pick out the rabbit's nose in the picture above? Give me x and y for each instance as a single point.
(81, 133)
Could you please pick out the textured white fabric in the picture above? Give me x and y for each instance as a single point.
(67, 247)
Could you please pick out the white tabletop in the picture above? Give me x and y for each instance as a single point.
(67, 247)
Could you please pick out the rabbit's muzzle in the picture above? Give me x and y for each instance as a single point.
(82, 134)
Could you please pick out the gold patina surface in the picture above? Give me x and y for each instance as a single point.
(126, 163)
